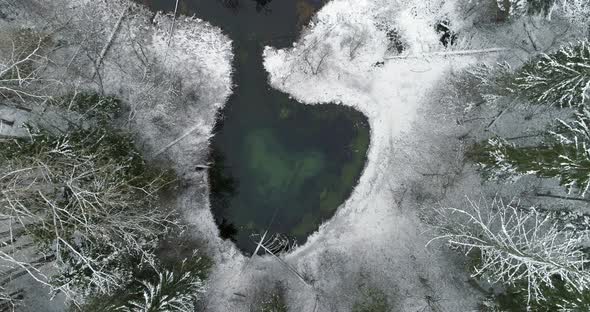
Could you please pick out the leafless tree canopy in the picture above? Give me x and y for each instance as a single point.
(77, 201)
(515, 244)
(23, 58)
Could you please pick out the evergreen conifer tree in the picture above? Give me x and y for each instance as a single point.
(168, 287)
(564, 155)
(561, 78)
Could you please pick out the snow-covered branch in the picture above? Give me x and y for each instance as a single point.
(21, 66)
(515, 245)
(564, 155)
(8, 301)
(561, 78)
(86, 203)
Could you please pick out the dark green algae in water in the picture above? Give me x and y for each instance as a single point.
(279, 165)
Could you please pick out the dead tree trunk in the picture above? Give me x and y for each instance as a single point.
(562, 197)
(112, 36)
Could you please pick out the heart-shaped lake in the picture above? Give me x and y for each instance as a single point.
(279, 165)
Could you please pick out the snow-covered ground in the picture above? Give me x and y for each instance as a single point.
(370, 233)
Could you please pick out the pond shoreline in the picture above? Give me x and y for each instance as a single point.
(276, 165)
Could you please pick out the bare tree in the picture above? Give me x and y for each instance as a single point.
(316, 60)
(176, 290)
(354, 42)
(515, 245)
(22, 59)
(8, 301)
(82, 204)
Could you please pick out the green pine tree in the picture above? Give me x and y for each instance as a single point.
(564, 155)
(274, 300)
(169, 288)
(561, 78)
(560, 297)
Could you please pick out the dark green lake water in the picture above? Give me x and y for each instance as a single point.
(280, 165)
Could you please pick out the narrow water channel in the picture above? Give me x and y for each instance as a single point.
(280, 165)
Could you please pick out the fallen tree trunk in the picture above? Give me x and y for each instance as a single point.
(112, 36)
(446, 54)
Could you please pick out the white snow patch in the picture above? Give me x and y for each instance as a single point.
(367, 227)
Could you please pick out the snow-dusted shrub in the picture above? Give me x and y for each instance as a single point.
(273, 300)
(372, 300)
